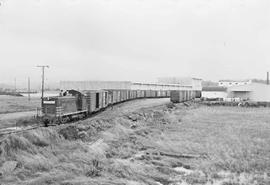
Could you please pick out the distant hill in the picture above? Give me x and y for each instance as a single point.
(6, 86)
(36, 86)
(10, 93)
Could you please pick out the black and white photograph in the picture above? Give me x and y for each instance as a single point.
(134, 92)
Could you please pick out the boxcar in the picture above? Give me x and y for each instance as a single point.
(168, 93)
(178, 96)
(163, 93)
(110, 97)
(122, 95)
(132, 94)
(153, 94)
(147, 93)
(118, 96)
(96, 100)
(139, 94)
(198, 94)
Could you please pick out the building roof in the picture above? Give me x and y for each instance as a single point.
(248, 87)
(215, 88)
(233, 80)
(178, 80)
(161, 84)
(242, 88)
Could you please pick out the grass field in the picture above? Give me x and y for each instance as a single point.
(169, 145)
(10, 104)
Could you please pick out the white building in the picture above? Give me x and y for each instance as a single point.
(257, 92)
(159, 86)
(214, 92)
(254, 92)
(230, 83)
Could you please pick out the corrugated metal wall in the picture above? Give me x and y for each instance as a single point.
(254, 92)
(94, 85)
(146, 86)
(98, 85)
(196, 83)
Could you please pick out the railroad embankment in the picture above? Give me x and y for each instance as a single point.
(160, 144)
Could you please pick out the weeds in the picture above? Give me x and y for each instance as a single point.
(209, 145)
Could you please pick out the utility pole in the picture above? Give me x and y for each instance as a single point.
(29, 91)
(42, 85)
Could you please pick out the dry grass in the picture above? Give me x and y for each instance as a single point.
(17, 111)
(10, 104)
(237, 139)
(150, 146)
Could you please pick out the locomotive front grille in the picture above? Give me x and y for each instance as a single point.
(59, 111)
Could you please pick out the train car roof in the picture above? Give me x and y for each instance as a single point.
(73, 92)
(57, 97)
(84, 92)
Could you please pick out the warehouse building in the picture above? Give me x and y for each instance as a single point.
(215, 92)
(158, 86)
(257, 92)
(97, 85)
(196, 83)
(254, 92)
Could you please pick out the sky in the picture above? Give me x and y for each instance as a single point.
(136, 40)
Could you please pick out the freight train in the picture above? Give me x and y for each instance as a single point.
(74, 105)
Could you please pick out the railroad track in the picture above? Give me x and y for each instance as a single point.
(8, 131)
(14, 130)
